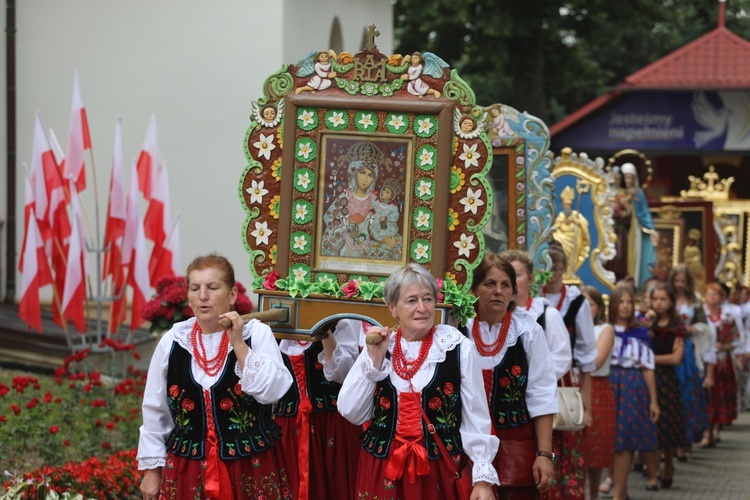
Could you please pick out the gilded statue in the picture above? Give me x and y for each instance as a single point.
(693, 258)
(572, 232)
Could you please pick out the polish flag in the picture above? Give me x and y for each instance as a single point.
(79, 139)
(156, 221)
(120, 282)
(36, 274)
(167, 262)
(138, 279)
(28, 212)
(115, 228)
(74, 293)
(149, 161)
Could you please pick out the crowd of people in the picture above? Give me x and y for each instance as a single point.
(425, 410)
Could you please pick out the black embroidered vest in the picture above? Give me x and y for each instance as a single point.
(542, 319)
(322, 392)
(441, 400)
(243, 425)
(570, 318)
(508, 393)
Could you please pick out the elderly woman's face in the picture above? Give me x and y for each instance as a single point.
(209, 296)
(414, 309)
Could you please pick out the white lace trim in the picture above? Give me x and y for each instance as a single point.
(336, 356)
(484, 471)
(151, 463)
(181, 333)
(373, 374)
(253, 365)
(446, 339)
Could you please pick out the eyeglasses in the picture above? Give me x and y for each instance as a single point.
(557, 269)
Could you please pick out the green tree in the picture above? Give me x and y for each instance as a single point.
(549, 57)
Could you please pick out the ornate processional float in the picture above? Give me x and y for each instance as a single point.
(361, 163)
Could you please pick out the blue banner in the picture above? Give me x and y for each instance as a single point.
(659, 120)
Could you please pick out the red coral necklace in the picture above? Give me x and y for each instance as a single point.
(528, 302)
(210, 367)
(491, 349)
(562, 297)
(402, 366)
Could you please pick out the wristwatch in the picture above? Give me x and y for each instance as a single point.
(547, 454)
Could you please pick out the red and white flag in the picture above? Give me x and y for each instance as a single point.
(167, 261)
(149, 161)
(79, 139)
(28, 213)
(36, 274)
(156, 221)
(132, 219)
(74, 294)
(115, 228)
(138, 279)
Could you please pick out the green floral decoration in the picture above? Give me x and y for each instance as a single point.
(397, 69)
(304, 180)
(369, 290)
(336, 119)
(307, 118)
(422, 219)
(350, 86)
(388, 88)
(299, 271)
(366, 121)
(302, 212)
(397, 123)
(300, 286)
(421, 251)
(305, 150)
(369, 88)
(326, 284)
(463, 303)
(300, 242)
(426, 157)
(425, 126)
(457, 180)
(424, 189)
(540, 279)
(341, 68)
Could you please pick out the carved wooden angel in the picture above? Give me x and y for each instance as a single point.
(499, 117)
(269, 115)
(427, 63)
(319, 64)
(468, 127)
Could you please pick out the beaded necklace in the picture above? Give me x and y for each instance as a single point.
(528, 303)
(491, 349)
(563, 292)
(211, 367)
(402, 366)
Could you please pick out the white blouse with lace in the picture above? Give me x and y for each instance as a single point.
(355, 401)
(558, 338)
(584, 350)
(342, 358)
(264, 377)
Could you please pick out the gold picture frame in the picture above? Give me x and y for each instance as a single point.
(671, 233)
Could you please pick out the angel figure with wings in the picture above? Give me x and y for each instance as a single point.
(269, 115)
(468, 127)
(318, 63)
(430, 65)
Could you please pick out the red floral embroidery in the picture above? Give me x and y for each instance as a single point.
(238, 389)
(174, 391)
(515, 371)
(188, 405)
(318, 365)
(448, 388)
(504, 382)
(385, 403)
(434, 403)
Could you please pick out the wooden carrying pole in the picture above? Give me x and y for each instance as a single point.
(276, 314)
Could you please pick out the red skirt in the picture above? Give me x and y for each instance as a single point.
(600, 437)
(261, 475)
(521, 433)
(334, 453)
(570, 474)
(722, 397)
(438, 484)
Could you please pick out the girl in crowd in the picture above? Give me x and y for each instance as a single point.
(600, 435)
(668, 336)
(207, 426)
(634, 386)
(519, 381)
(697, 343)
(722, 398)
(321, 448)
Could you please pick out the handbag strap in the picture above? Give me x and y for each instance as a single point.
(443, 452)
